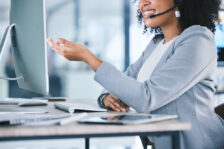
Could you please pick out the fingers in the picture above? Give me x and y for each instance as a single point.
(50, 41)
(58, 46)
(110, 103)
(121, 105)
(114, 97)
(63, 42)
(113, 107)
(125, 107)
(54, 46)
(120, 102)
(114, 103)
(70, 50)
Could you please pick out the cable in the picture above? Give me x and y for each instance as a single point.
(11, 79)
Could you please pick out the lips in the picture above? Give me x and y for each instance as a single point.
(148, 13)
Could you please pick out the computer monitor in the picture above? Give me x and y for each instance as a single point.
(219, 36)
(28, 44)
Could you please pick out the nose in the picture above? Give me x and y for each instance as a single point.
(144, 3)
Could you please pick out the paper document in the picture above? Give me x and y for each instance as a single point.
(31, 119)
(72, 118)
(14, 110)
(18, 101)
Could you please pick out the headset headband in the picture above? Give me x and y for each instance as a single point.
(178, 2)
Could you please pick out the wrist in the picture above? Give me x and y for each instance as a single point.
(92, 60)
(86, 57)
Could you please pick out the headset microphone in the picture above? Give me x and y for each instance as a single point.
(153, 16)
(176, 2)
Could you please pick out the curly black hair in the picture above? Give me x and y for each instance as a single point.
(193, 12)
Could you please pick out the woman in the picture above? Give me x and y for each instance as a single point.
(174, 75)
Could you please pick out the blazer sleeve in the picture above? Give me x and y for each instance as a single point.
(193, 54)
(131, 71)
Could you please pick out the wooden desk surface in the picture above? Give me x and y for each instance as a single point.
(76, 129)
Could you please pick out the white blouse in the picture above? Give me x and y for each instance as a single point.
(151, 62)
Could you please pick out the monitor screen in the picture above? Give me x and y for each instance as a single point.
(29, 44)
(219, 36)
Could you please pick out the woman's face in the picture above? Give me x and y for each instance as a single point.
(153, 7)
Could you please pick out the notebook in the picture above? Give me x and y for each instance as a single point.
(77, 107)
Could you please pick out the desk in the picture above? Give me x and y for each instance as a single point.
(74, 130)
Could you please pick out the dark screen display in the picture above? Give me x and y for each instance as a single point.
(219, 37)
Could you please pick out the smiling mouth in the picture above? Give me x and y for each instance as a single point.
(148, 13)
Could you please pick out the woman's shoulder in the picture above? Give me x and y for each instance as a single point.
(197, 28)
(198, 41)
(196, 31)
(197, 36)
(191, 33)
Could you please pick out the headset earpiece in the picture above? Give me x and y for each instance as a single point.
(177, 3)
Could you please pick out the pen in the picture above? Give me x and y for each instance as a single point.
(72, 118)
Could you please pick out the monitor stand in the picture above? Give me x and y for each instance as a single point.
(52, 99)
(5, 47)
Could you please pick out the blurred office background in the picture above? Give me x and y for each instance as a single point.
(110, 30)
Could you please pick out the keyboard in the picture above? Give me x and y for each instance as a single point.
(23, 101)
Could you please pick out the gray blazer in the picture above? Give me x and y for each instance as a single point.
(182, 83)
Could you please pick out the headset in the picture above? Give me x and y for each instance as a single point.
(177, 3)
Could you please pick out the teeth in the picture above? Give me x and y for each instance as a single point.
(149, 12)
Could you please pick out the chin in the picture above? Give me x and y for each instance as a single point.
(151, 25)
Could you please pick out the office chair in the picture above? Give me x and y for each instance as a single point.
(145, 142)
(220, 110)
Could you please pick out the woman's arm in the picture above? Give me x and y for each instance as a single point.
(75, 52)
(194, 55)
(132, 71)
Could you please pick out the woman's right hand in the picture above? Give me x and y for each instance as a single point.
(112, 102)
